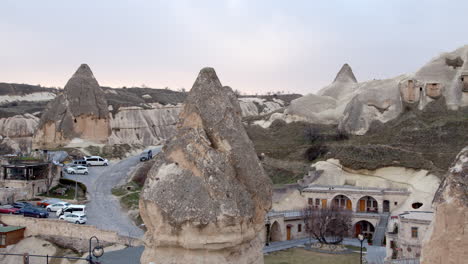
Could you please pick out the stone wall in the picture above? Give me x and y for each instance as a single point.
(59, 228)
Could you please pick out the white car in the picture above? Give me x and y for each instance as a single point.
(96, 161)
(74, 218)
(77, 170)
(77, 209)
(56, 206)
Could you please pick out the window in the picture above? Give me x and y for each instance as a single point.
(414, 232)
(299, 228)
(317, 201)
(311, 201)
(3, 240)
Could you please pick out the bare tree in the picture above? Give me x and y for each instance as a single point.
(327, 225)
(49, 174)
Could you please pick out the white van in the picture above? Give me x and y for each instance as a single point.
(73, 208)
(96, 161)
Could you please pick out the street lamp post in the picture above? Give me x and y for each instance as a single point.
(97, 251)
(361, 239)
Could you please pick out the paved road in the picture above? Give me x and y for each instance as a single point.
(103, 209)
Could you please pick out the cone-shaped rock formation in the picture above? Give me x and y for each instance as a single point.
(345, 74)
(206, 198)
(79, 112)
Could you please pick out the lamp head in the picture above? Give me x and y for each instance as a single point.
(98, 251)
(361, 237)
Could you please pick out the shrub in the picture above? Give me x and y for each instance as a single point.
(72, 183)
(315, 152)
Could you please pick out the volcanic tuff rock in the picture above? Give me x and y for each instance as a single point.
(354, 106)
(206, 198)
(447, 239)
(79, 112)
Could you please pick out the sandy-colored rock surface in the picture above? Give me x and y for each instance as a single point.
(17, 131)
(148, 127)
(205, 199)
(447, 240)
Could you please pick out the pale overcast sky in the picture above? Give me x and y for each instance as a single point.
(255, 46)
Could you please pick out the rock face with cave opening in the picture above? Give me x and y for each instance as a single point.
(206, 197)
(81, 111)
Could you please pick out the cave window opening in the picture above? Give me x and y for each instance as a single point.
(416, 205)
(74, 120)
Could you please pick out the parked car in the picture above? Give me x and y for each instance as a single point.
(77, 170)
(96, 161)
(56, 206)
(8, 209)
(72, 209)
(33, 212)
(146, 155)
(79, 163)
(22, 205)
(47, 202)
(74, 218)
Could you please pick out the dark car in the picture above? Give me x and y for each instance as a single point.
(22, 205)
(146, 155)
(33, 212)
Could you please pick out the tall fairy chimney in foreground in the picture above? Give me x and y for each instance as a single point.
(206, 197)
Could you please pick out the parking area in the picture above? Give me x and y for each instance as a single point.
(103, 209)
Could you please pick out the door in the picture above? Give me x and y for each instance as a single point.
(386, 206)
(288, 233)
(358, 229)
(348, 204)
(324, 203)
(362, 206)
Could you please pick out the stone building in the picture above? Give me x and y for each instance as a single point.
(407, 230)
(25, 178)
(370, 206)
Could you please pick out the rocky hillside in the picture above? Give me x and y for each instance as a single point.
(415, 121)
(354, 106)
(20, 108)
(84, 113)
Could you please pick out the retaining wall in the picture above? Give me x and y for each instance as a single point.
(60, 228)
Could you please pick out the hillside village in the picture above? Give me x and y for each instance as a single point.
(211, 176)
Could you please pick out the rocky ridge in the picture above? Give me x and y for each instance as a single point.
(355, 106)
(129, 117)
(201, 202)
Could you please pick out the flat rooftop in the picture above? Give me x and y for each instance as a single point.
(6, 229)
(349, 188)
(417, 215)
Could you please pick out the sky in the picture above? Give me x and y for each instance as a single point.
(255, 46)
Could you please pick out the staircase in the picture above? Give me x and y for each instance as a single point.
(380, 230)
